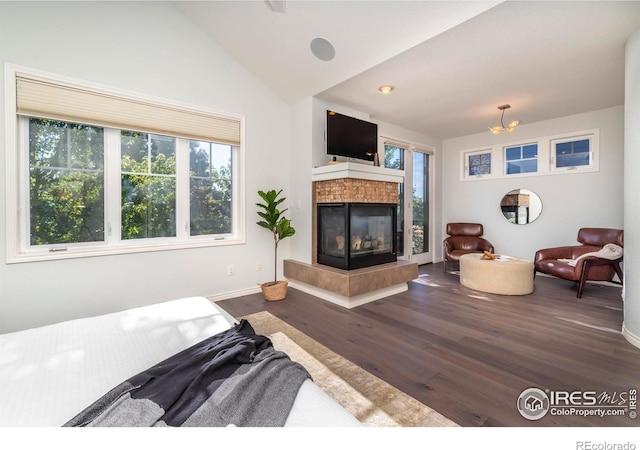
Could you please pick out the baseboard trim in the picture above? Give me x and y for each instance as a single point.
(630, 337)
(234, 294)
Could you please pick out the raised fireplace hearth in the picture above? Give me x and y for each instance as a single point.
(356, 235)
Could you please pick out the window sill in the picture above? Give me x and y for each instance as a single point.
(86, 252)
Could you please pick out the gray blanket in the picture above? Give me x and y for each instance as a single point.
(233, 378)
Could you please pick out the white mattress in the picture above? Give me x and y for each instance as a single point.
(49, 374)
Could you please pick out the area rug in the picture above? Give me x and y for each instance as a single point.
(370, 399)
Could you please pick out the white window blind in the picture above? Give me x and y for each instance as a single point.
(51, 99)
(398, 144)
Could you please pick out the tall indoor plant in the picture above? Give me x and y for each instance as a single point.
(280, 227)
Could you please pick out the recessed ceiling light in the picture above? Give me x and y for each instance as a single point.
(385, 89)
(322, 49)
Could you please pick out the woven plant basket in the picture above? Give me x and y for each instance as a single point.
(274, 292)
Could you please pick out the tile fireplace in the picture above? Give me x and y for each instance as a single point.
(354, 237)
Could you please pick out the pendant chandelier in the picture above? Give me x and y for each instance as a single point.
(499, 128)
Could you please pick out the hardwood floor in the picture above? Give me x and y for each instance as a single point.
(469, 355)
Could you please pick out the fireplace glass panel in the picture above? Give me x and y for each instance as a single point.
(355, 235)
(334, 224)
(371, 231)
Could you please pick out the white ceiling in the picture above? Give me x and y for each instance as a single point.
(451, 62)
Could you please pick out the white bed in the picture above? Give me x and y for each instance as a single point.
(50, 374)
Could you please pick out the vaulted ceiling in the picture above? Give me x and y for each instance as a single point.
(452, 63)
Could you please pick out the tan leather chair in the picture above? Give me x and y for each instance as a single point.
(463, 238)
(557, 261)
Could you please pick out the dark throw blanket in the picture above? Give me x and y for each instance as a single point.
(233, 378)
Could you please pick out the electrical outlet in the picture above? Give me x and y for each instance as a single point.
(258, 266)
(231, 270)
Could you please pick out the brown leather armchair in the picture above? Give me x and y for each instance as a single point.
(565, 262)
(464, 238)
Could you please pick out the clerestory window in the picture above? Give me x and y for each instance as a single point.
(521, 159)
(572, 153)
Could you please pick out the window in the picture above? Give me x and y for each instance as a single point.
(575, 151)
(521, 159)
(104, 186)
(394, 155)
(148, 185)
(571, 154)
(66, 183)
(478, 164)
(210, 188)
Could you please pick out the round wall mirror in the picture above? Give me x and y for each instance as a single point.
(521, 206)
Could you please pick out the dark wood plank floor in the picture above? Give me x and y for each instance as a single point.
(469, 355)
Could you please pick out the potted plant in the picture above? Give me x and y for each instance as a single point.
(280, 227)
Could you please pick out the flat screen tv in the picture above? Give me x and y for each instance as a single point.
(351, 137)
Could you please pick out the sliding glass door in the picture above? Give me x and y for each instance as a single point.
(414, 200)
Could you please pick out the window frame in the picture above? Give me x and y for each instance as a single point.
(18, 247)
(466, 164)
(521, 147)
(591, 136)
(24, 193)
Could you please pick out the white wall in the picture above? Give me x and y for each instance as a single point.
(632, 191)
(570, 201)
(300, 195)
(151, 48)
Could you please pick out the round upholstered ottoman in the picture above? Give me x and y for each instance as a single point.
(505, 275)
